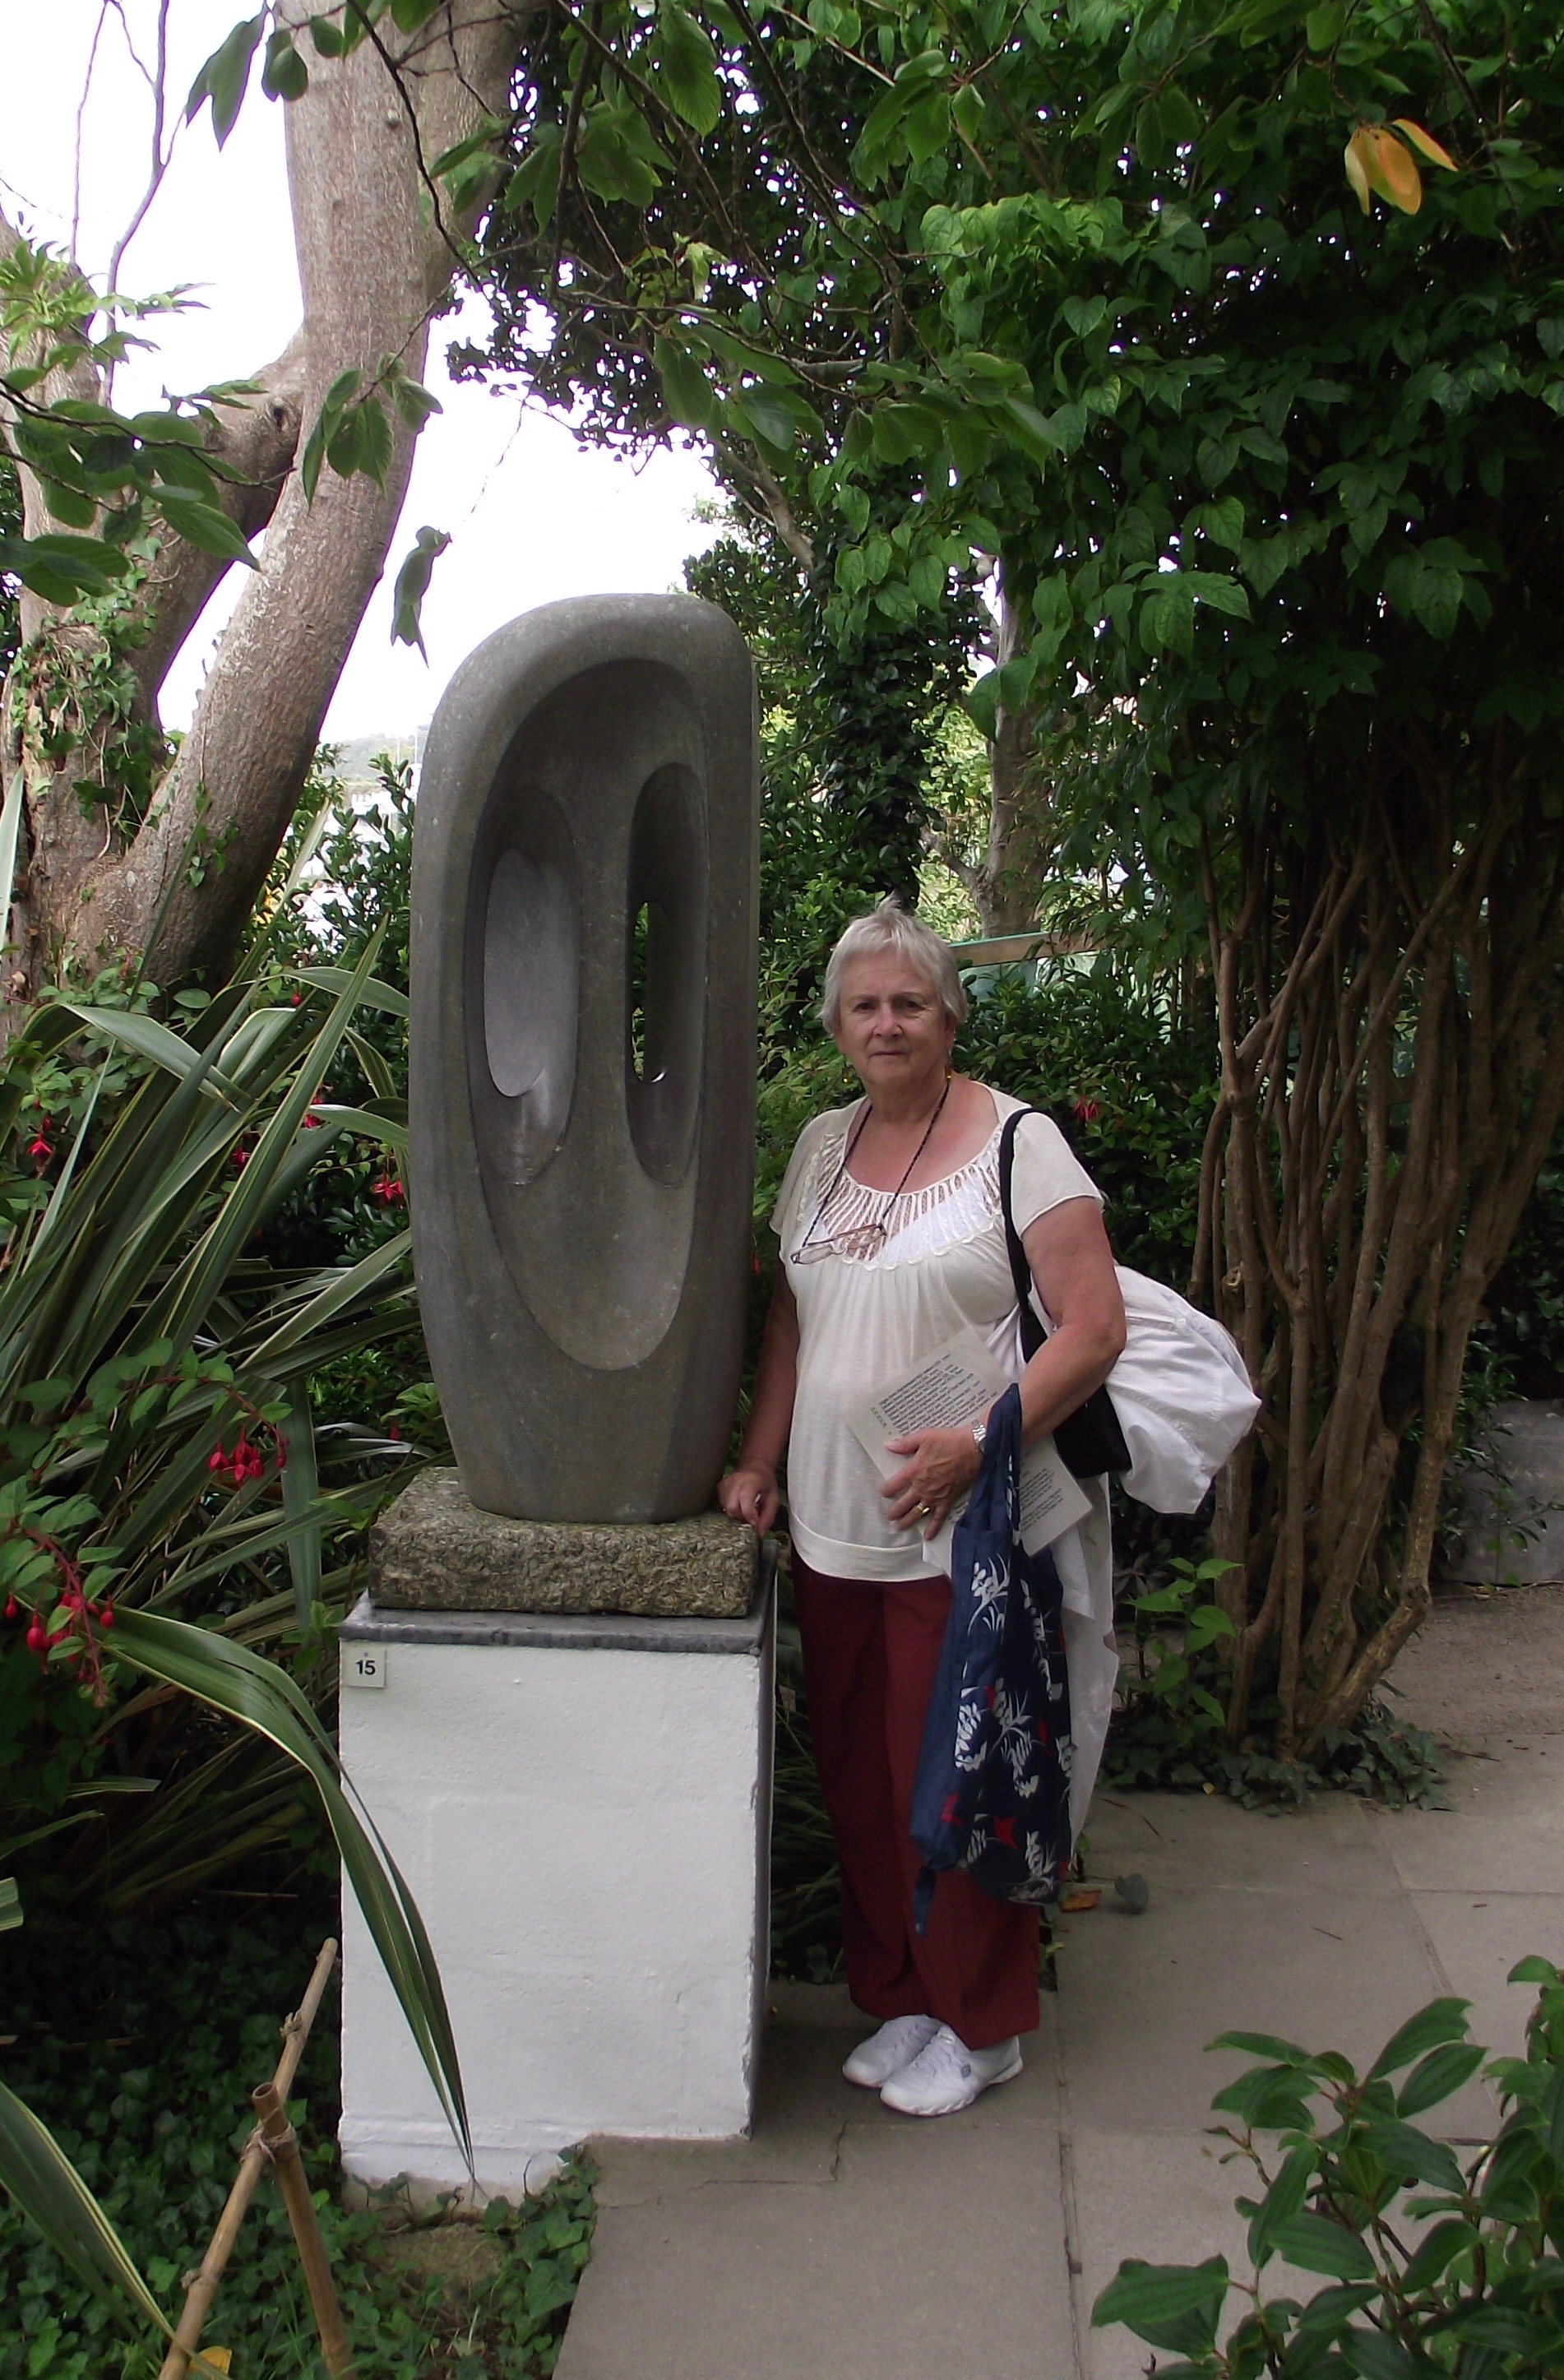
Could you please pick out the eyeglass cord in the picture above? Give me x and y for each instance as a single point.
(892, 1196)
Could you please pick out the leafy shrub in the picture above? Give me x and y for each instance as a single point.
(1132, 1087)
(1433, 2267)
(152, 1372)
(138, 2043)
(1523, 1333)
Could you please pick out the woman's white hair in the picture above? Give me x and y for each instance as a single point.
(891, 928)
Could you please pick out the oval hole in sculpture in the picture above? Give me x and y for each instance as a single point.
(665, 971)
(529, 972)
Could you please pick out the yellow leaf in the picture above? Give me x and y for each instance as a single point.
(220, 2357)
(1391, 169)
(1357, 169)
(1426, 144)
(1080, 1896)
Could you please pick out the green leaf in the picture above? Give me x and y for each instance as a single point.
(10, 1905)
(203, 526)
(414, 402)
(412, 586)
(285, 74)
(758, 413)
(63, 569)
(1284, 2198)
(1373, 2356)
(45, 2183)
(1168, 2305)
(688, 393)
(1412, 2156)
(260, 1695)
(1438, 2075)
(224, 77)
(1222, 521)
(150, 1039)
(1435, 2251)
(371, 994)
(301, 1488)
(1316, 2245)
(1442, 2021)
(687, 67)
(610, 156)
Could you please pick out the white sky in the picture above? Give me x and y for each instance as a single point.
(532, 515)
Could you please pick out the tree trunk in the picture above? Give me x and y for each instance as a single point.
(1392, 1053)
(128, 851)
(1007, 883)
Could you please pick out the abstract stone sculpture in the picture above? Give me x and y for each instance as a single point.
(582, 1080)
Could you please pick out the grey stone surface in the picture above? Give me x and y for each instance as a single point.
(433, 1550)
(582, 1055)
(841, 2243)
(1512, 1503)
(842, 2240)
(569, 1632)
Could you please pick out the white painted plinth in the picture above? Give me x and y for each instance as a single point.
(581, 1807)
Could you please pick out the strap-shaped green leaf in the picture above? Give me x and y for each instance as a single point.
(260, 1695)
(46, 2186)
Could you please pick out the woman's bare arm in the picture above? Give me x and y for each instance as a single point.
(1072, 1267)
(749, 1492)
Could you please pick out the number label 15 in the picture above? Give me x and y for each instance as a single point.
(364, 1665)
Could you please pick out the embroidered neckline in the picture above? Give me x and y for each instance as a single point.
(964, 1201)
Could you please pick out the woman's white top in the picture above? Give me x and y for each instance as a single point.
(881, 1305)
(887, 1302)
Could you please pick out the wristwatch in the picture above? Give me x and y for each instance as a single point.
(979, 1434)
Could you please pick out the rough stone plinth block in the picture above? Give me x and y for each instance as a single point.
(433, 1550)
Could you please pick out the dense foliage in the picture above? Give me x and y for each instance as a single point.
(138, 2041)
(1434, 2264)
(1263, 442)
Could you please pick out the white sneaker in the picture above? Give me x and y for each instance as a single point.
(946, 2075)
(886, 2052)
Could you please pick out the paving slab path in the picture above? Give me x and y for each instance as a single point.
(842, 2242)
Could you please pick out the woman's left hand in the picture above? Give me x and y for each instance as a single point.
(941, 1466)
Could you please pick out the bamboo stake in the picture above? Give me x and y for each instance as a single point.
(282, 2146)
(252, 2164)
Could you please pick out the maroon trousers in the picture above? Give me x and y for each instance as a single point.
(870, 1653)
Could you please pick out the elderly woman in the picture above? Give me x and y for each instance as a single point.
(892, 1239)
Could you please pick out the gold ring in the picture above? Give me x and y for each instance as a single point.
(924, 1510)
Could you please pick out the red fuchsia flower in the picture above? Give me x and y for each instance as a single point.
(245, 1463)
(1086, 1111)
(388, 1190)
(42, 1148)
(10, 1606)
(394, 1431)
(239, 1156)
(37, 1636)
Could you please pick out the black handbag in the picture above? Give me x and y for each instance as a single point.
(1091, 1439)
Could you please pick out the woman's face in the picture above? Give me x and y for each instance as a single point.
(891, 1029)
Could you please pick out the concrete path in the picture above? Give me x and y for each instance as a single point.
(846, 2243)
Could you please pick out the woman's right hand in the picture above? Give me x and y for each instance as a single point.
(749, 1493)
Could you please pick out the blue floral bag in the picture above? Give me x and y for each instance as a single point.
(992, 1790)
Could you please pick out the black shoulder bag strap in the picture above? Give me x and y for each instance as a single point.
(1091, 1439)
